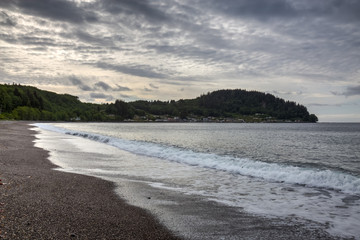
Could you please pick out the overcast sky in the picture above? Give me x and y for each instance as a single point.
(300, 50)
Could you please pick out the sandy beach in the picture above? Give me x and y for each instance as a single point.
(39, 203)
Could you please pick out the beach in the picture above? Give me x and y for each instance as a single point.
(40, 203)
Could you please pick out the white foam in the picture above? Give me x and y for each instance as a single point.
(268, 171)
(267, 198)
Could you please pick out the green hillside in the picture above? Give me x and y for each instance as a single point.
(29, 103)
(251, 106)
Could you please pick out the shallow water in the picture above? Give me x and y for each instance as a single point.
(303, 171)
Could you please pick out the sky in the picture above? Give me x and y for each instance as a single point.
(101, 50)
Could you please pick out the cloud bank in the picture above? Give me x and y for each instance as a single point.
(180, 49)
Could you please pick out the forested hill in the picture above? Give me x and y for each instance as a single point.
(254, 103)
(29, 103)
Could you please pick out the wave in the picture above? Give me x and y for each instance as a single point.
(268, 171)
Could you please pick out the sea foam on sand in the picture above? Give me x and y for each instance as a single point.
(178, 195)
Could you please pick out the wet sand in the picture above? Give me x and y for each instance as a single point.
(37, 202)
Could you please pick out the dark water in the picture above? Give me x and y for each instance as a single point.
(323, 145)
(311, 171)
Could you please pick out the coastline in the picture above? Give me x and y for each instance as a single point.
(40, 203)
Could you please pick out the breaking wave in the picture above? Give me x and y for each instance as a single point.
(268, 171)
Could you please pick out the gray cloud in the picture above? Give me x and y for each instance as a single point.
(324, 105)
(136, 8)
(352, 91)
(86, 37)
(261, 9)
(108, 42)
(77, 82)
(148, 89)
(270, 9)
(58, 10)
(42, 41)
(343, 10)
(298, 92)
(202, 52)
(121, 89)
(101, 96)
(153, 86)
(136, 70)
(103, 85)
(106, 87)
(6, 20)
(8, 38)
(32, 39)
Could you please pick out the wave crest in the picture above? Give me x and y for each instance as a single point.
(268, 171)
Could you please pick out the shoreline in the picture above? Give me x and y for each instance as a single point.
(189, 216)
(38, 202)
(43, 203)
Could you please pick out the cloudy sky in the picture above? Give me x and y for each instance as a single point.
(101, 50)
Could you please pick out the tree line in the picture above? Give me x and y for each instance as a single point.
(29, 103)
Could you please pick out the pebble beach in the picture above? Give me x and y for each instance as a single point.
(37, 202)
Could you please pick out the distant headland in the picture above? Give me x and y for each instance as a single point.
(18, 102)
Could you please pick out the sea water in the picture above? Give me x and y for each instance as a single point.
(307, 172)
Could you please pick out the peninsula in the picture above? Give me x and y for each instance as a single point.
(18, 102)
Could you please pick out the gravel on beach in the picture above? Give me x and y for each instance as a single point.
(38, 202)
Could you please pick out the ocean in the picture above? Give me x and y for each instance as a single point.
(303, 174)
